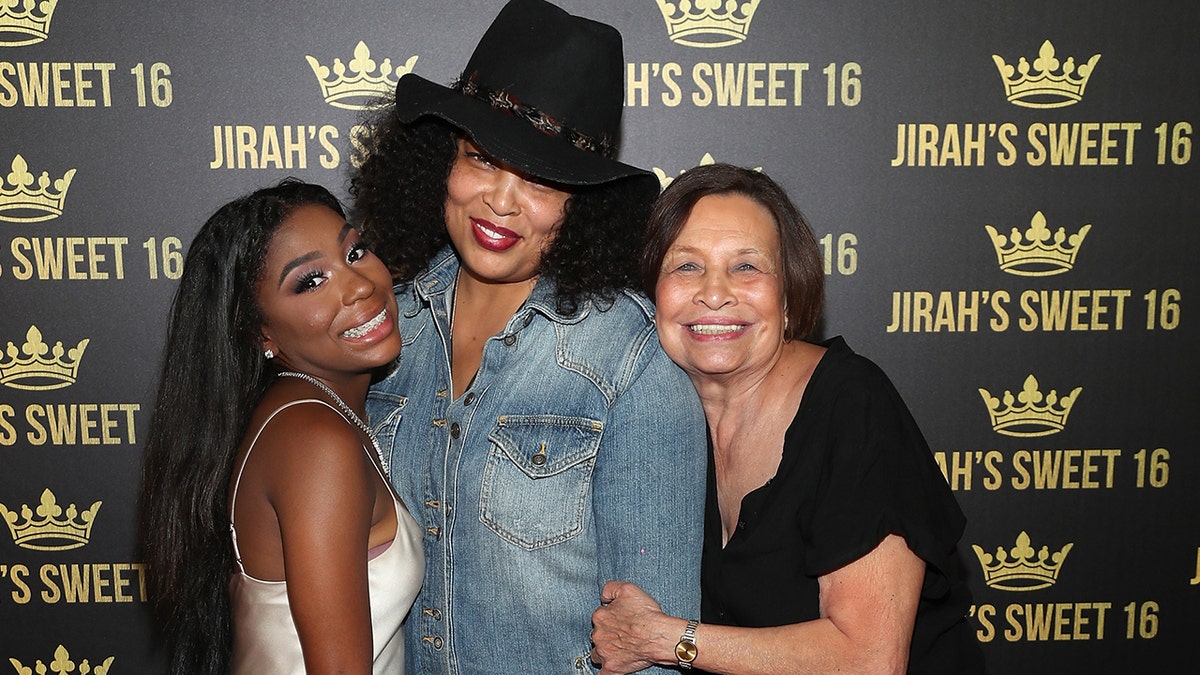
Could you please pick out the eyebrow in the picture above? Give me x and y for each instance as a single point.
(312, 255)
(472, 147)
(296, 262)
(697, 249)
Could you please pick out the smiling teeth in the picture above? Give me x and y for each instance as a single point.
(715, 329)
(366, 327)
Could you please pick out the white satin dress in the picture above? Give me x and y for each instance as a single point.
(265, 641)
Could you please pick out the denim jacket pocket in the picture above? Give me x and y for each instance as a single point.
(537, 478)
(383, 415)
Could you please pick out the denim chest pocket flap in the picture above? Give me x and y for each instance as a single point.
(537, 479)
(384, 415)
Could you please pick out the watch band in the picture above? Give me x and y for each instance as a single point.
(685, 649)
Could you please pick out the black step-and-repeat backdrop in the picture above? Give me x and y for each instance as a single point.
(1005, 195)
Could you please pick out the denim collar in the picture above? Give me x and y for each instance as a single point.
(439, 277)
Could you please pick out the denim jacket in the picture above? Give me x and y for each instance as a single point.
(576, 456)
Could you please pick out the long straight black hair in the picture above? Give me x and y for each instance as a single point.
(213, 374)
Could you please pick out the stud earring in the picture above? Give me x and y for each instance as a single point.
(269, 354)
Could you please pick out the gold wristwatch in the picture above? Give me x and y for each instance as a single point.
(685, 649)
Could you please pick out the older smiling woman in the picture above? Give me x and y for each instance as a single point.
(830, 535)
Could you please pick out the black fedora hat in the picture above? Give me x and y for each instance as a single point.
(542, 92)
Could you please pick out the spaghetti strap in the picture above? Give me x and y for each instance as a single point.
(265, 637)
(237, 554)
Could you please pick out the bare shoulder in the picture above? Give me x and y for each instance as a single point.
(309, 445)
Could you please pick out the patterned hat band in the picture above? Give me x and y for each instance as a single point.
(506, 102)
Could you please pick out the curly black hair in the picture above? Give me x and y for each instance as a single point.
(399, 189)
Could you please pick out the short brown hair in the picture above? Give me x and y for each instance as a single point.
(803, 271)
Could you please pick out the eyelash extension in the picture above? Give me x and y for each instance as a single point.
(304, 282)
(356, 252)
(361, 248)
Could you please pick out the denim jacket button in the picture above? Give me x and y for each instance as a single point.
(433, 613)
(510, 340)
(538, 459)
(437, 643)
(455, 430)
(468, 398)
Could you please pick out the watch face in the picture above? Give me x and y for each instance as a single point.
(685, 651)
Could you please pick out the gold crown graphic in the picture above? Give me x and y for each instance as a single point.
(23, 205)
(1030, 417)
(62, 665)
(35, 372)
(1049, 87)
(364, 85)
(1034, 254)
(48, 531)
(1018, 569)
(708, 23)
(664, 180)
(25, 23)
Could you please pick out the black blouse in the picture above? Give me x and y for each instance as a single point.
(855, 468)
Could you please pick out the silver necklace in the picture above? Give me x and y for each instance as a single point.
(383, 462)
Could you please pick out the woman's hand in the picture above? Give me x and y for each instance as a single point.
(630, 630)
(867, 612)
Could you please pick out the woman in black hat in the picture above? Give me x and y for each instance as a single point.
(543, 440)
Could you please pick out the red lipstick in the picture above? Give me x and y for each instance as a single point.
(493, 237)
